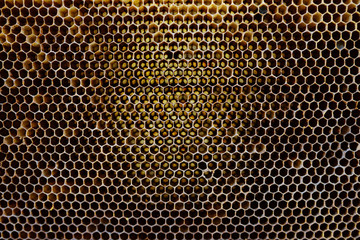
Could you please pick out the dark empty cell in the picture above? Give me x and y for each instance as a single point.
(169, 55)
(263, 9)
(340, 45)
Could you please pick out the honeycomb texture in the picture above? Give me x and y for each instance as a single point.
(179, 119)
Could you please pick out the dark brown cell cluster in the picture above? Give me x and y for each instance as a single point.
(179, 119)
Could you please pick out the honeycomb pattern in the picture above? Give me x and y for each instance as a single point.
(179, 119)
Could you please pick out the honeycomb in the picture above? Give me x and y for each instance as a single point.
(179, 119)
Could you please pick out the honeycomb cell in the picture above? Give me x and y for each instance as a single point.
(201, 119)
